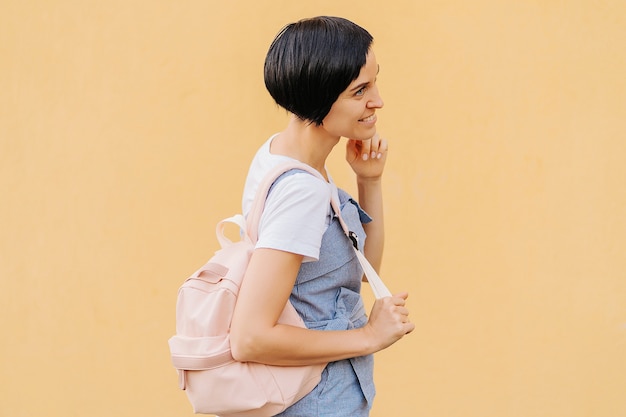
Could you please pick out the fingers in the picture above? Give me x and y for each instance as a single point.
(408, 327)
(353, 150)
(389, 320)
(400, 311)
(365, 148)
(402, 295)
(403, 312)
(373, 148)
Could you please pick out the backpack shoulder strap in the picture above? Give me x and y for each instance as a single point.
(378, 286)
(258, 204)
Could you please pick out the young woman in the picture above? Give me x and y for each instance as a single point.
(323, 72)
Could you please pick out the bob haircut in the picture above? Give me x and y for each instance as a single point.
(312, 61)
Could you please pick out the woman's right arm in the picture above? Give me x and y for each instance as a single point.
(257, 337)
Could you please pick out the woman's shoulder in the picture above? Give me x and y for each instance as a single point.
(295, 184)
(300, 185)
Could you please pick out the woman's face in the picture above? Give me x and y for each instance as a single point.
(353, 115)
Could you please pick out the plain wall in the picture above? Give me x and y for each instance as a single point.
(126, 129)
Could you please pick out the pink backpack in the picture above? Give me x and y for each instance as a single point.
(214, 382)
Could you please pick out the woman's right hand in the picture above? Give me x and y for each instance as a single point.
(389, 321)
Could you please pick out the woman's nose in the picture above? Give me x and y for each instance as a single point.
(376, 102)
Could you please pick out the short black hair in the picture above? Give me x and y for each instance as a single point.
(312, 61)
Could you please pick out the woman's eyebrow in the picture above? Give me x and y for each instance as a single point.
(358, 87)
(365, 84)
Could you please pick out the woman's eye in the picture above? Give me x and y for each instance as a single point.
(360, 91)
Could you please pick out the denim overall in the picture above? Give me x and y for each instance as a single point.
(327, 296)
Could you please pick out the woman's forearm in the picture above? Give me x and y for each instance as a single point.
(286, 345)
(371, 200)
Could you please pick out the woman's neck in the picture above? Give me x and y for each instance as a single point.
(305, 142)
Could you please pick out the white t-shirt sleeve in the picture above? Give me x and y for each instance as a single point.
(295, 215)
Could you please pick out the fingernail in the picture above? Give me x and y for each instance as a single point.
(380, 155)
(373, 154)
(365, 157)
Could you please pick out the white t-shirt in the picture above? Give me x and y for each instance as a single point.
(297, 211)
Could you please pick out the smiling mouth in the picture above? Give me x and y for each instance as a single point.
(368, 119)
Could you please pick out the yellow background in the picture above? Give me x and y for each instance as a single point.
(126, 128)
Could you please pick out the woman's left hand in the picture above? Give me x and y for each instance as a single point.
(367, 157)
